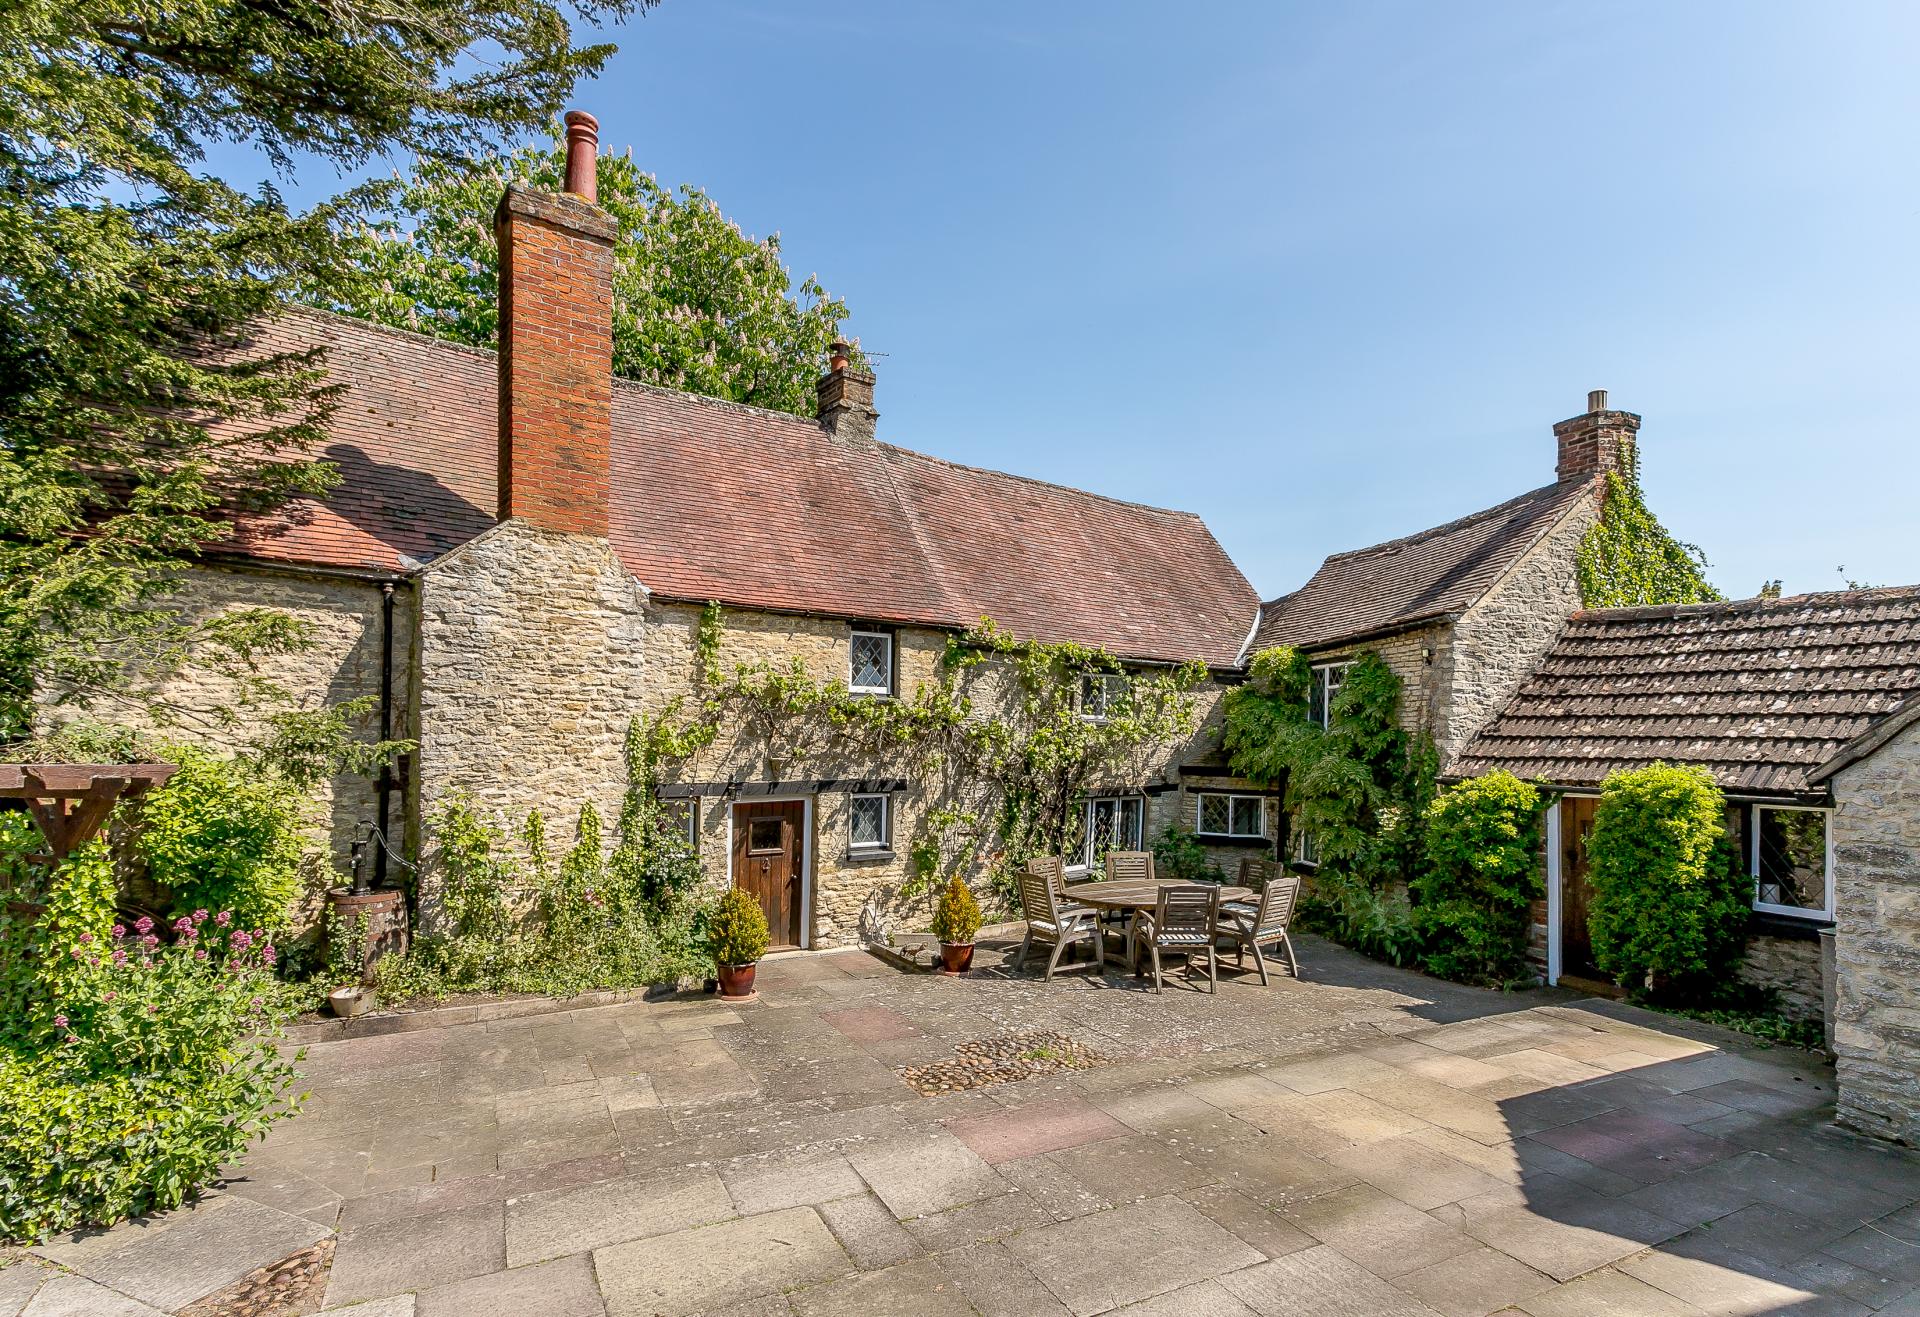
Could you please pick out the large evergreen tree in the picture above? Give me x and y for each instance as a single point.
(128, 272)
(697, 304)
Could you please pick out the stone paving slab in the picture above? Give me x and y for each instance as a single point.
(1361, 1140)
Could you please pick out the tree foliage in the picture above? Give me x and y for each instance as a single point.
(1481, 874)
(697, 304)
(1627, 558)
(1669, 905)
(132, 412)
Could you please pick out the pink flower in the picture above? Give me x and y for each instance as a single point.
(224, 918)
(109, 996)
(151, 940)
(199, 916)
(73, 1037)
(183, 925)
(153, 1010)
(200, 955)
(59, 1021)
(120, 957)
(241, 939)
(75, 953)
(267, 954)
(255, 1003)
(144, 924)
(119, 930)
(86, 937)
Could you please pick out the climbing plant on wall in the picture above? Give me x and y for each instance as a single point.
(1628, 558)
(999, 733)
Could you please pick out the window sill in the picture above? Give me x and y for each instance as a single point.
(1771, 923)
(867, 693)
(1223, 839)
(871, 855)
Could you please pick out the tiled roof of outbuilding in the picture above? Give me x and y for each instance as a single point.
(1435, 573)
(1761, 691)
(760, 509)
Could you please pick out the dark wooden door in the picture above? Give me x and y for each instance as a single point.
(769, 860)
(1576, 886)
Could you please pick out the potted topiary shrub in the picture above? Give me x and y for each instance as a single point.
(737, 936)
(955, 920)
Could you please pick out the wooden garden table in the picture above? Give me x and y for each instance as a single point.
(1133, 897)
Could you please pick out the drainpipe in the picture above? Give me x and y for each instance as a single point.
(384, 787)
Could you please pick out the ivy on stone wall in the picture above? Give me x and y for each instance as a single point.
(998, 735)
(1627, 558)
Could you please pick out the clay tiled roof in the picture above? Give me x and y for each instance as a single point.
(1762, 691)
(760, 509)
(1435, 573)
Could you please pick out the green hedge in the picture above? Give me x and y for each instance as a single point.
(1670, 904)
(1482, 872)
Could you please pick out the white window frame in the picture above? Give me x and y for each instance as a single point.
(857, 636)
(1084, 863)
(1199, 814)
(886, 823)
(1305, 849)
(1753, 862)
(1327, 687)
(1112, 687)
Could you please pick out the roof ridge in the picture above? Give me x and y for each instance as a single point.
(1459, 523)
(1755, 604)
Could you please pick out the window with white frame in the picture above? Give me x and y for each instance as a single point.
(870, 663)
(1327, 680)
(1220, 814)
(870, 823)
(1108, 823)
(1305, 849)
(681, 816)
(1101, 694)
(1791, 860)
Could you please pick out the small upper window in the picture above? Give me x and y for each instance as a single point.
(870, 663)
(1791, 873)
(867, 823)
(682, 815)
(1231, 816)
(1305, 849)
(1101, 694)
(1327, 680)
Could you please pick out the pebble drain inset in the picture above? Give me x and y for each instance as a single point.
(1003, 1059)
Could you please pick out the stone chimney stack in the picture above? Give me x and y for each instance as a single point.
(1598, 441)
(846, 398)
(556, 346)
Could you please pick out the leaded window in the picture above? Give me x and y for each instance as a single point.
(1224, 815)
(1791, 875)
(1327, 680)
(870, 663)
(867, 823)
(1109, 823)
(1101, 694)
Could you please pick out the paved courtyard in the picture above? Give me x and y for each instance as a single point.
(1363, 1141)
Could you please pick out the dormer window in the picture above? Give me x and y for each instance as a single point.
(1101, 694)
(870, 663)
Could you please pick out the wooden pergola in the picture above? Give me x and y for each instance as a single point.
(70, 802)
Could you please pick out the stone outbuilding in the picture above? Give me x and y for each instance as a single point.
(1806, 711)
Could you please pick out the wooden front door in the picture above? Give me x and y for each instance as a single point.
(1576, 886)
(769, 860)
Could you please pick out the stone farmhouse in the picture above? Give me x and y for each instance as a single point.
(517, 560)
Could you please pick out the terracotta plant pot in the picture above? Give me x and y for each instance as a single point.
(736, 982)
(349, 1002)
(956, 957)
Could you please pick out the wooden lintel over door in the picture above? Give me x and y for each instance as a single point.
(769, 861)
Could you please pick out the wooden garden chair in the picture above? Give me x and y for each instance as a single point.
(1053, 869)
(1053, 920)
(1130, 866)
(1250, 926)
(1185, 920)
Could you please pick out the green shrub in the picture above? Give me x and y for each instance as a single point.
(956, 918)
(737, 931)
(152, 1068)
(224, 834)
(1361, 919)
(1669, 908)
(1482, 871)
(1179, 856)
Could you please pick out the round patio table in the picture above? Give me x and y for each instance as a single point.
(1133, 897)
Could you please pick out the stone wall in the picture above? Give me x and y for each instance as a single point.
(1423, 660)
(1876, 1027)
(341, 663)
(1791, 967)
(529, 662)
(842, 881)
(1499, 641)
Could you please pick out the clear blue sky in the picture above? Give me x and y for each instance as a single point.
(1327, 274)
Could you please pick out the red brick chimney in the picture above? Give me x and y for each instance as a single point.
(845, 397)
(556, 346)
(1601, 440)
